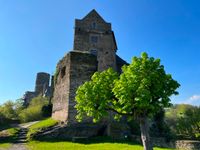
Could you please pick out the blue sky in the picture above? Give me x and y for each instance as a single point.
(35, 35)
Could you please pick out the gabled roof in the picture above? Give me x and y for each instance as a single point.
(93, 13)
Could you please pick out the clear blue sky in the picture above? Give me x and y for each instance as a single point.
(35, 34)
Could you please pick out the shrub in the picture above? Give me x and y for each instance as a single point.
(34, 110)
(31, 114)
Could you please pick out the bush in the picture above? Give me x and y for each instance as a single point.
(31, 114)
(34, 111)
(7, 110)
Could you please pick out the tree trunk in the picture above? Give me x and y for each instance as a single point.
(144, 127)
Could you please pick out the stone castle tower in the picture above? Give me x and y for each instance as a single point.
(95, 36)
(42, 88)
(94, 50)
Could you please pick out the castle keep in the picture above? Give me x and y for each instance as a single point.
(94, 49)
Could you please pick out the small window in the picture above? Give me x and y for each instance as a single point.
(93, 52)
(94, 39)
(63, 72)
(94, 25)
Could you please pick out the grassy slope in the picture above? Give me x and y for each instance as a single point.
(55, 145)
(76, 146)
(37, 127)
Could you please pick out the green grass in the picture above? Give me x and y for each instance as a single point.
(42, 125)
(13, 131)
(35, 145)
(5, 145)
(9, 136)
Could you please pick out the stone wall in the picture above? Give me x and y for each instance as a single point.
(155, 141)
(83, 66)
(42, 88)
(68, 132)
(61, 89)
(28, 96)
(42, 82)
(73, 70)
(188, 145)
(92, 23)
(94, 35)
(94, 50)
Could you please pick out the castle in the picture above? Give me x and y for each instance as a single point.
(94, 50)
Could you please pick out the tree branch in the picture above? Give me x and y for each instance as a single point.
(120, 113)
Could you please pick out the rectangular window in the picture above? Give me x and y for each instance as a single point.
(93, 52)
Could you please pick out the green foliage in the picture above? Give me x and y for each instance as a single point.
(159, 128)
(7, 110)
(94, 97)
(34, 110)
(134, 126)
(184, 121)
(42, 125)
(31, 114)
(142, 89)
(9, 136)
(189, 124)
(13, 131)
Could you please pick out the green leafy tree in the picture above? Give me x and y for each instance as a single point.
(142, 89)
(188, 124)
(175, 119)
(8, 110)
(159, 127)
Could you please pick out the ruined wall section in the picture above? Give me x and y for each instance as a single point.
(73, 70)
(42, 83)
(61, 89)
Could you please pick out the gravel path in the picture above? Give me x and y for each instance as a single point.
(18, 146)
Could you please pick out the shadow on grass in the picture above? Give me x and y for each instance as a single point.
(8, 139)
(4, 127)
(91, 140)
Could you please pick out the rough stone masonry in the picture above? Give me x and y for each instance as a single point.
(42, 88)
(94, 50)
